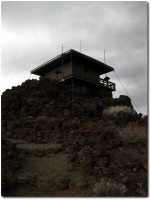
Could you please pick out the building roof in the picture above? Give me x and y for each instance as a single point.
(67, 57)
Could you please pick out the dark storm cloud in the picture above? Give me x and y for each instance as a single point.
(32, 32)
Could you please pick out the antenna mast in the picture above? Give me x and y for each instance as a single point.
(62, 48)
(80, 46)
(104, 61)
(62, 64)
(104, 57)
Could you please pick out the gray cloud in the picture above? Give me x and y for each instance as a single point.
(32, 32)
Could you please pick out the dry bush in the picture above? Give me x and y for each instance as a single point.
(115, 110)
(134, 133)
(120, 114)
(108, 188)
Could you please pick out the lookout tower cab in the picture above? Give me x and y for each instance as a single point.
(75, 65)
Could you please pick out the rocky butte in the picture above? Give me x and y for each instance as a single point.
(66, 136)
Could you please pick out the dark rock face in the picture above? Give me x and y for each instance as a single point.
(37, 110)
(11, 163)
(44, 112)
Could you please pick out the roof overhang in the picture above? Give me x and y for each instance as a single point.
(75, 57)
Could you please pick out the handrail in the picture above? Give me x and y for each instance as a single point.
(107, 84)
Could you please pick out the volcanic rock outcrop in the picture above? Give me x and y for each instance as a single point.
(44, 118)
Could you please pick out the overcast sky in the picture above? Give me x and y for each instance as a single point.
(32, 32)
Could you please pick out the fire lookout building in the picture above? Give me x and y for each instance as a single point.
(77, 66)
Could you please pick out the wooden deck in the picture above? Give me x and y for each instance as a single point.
(105, 84)
(79, 74)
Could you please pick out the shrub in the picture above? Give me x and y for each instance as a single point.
(120, 114)
(134, 134)
(108, 188)
(115, 110)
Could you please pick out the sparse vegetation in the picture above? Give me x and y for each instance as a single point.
(133, 133)
(109, 188)
(120, 114)
(115, 110)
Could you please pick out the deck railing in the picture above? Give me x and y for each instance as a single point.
(90, 78)
(107, 84)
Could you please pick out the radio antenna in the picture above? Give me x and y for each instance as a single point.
(62, 69)
(62, 48)
(80, 46)
(62, 63)
(104, 61)
(104, 57)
